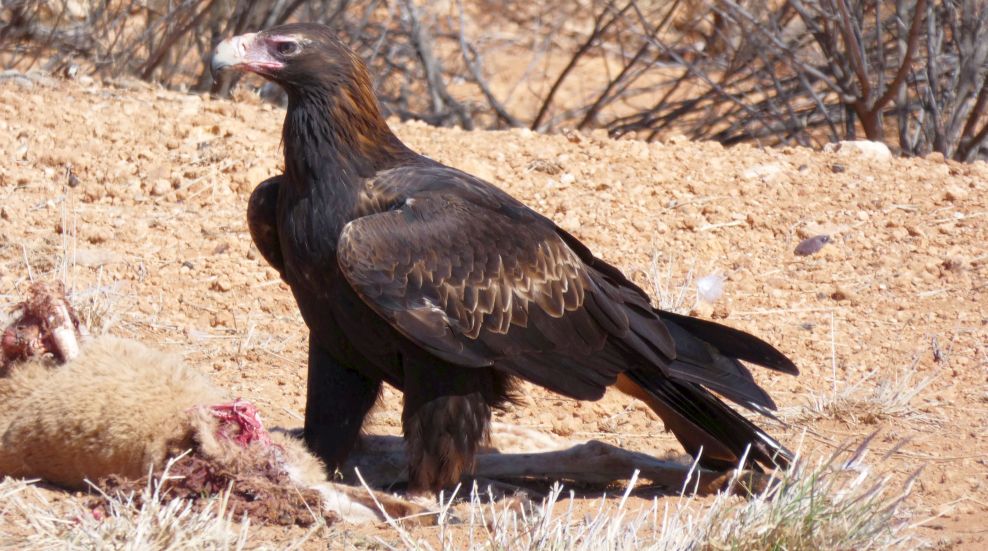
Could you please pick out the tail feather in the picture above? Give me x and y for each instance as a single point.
(705, 426)
(697, 361)
(672, 382)
(731, 342)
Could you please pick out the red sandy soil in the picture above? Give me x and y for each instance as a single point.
(135, 196)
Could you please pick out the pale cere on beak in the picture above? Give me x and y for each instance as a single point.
(234, 52)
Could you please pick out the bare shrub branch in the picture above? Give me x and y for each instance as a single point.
(779, 72)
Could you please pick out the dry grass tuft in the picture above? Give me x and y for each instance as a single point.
(863, 402)
(33, 521)
(670, 288)
(839, 502)
(148, 520)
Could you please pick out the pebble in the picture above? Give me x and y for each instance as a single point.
(571, 222)
(811, 245)
(95, 257)
(956, 263)
(766, 172)
(843, 293)
(955, 193)
(876, 151)
(161, 186)
(222, 285)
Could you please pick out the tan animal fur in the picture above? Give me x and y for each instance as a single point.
(120, 408)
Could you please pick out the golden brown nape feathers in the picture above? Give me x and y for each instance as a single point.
(107, 410)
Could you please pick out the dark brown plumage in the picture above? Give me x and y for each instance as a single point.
(422, 276)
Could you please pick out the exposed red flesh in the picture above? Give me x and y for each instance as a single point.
(240, 421)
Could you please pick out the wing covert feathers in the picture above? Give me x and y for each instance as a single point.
(479, 280)
(477, 286)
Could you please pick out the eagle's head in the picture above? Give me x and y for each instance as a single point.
(299, 57)
(333, 113)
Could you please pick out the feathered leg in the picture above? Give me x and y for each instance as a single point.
(446, 417)
(337, 400)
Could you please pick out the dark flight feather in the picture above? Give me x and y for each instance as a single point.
(707, 427)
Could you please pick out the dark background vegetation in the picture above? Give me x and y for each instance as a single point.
(910, 73)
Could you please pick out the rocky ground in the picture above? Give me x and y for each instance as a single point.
(135, 197)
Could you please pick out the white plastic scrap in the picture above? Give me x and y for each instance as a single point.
(710, 287)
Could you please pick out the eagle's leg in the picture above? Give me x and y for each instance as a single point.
(337, 400)
(263, 223)
(446, 418)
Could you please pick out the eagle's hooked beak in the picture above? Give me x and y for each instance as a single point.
(247, 52)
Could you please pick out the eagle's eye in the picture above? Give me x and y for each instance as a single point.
(287, 48)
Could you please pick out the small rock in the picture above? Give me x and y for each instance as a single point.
(692, 222)
(955, 193)
(956, 263)
(837, 168)
(255, 175)
(71, 71)
(765, 172)
(222, 285)
(546, 166)
(702, 310)
(721, 311)
(876, 151)
(92, 258)
(915, 231)
(842, 293)
(564, 427)
(99, 235)
(161, 186)
(571, 222)
(811, 245)
(17, 78)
